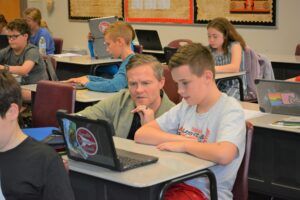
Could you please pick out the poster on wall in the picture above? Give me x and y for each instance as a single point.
(83, 9)
(245, 12)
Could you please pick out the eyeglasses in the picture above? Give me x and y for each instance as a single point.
(13, 37)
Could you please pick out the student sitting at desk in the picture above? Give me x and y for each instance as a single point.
(22, 58)
(117, 38)
(227, 49)
(33, 18)
(142, 102)
(207, 123)
(28, 169)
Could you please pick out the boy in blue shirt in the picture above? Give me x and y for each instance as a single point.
(117, 39)
(207, 123)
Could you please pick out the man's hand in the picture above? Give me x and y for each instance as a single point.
(146, 114)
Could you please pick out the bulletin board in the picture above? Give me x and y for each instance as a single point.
(245, 12)
(159, 11)
(86, 9)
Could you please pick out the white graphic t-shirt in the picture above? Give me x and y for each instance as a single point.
(224, 121)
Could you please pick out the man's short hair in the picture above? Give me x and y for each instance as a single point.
(10, 92)
(143, 59)
(196, 56)
(19, 25)
(120, 29)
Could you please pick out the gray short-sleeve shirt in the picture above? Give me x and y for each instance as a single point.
(38, 72)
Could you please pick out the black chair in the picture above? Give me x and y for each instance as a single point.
(169, 52)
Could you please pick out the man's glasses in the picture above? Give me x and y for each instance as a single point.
(13, 37)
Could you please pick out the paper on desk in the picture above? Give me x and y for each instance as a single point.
(66, 55)
(250, 114)
(289, 122)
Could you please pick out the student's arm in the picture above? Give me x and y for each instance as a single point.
(221, 152)
(21, 70)
(236, 59)
(57, 184)
(152, 134)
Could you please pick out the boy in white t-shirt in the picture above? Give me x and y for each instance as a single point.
(207, 124)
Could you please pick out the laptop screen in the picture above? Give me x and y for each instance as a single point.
(149, 39)
(280, 97)
(88, 141)
(3, 41)
(97, 28)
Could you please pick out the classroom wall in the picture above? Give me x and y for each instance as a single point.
(279, 40)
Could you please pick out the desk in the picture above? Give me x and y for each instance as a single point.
(83, 96)
(275, 159)
(285, 66)
(70, 67)
(92, 182)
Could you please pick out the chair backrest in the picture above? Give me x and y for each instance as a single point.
(240, 188)
(297, 51)
(51, 96)
(50, 64)
(58, 44)
(138, 48)
(179, 42)
(170, 86)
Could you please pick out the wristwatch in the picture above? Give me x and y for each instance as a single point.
(6, 67)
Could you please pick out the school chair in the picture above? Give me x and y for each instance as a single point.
(170, 86)
(58, 44)
(179, 42)
(240, 187)
(51, 96)
(297, 51)
(50, 64)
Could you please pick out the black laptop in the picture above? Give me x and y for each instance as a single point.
(278, 97)
(3, 41)
(91, 141)
(149, 39)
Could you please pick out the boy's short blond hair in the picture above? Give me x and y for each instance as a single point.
(120, 29)
(196, 56)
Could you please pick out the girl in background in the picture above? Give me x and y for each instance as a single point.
(227, 47)
(34, 20)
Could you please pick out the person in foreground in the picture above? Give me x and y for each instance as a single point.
(117, 38)
(142, 102)
(28, 169)
(207, 124)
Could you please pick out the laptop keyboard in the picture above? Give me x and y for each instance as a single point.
(129, 162)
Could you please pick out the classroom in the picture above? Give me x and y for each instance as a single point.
(190, 123)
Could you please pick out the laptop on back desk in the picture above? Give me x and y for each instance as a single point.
(91, 141)
(278, 97)
(149, 39)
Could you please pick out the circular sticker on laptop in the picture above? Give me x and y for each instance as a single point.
(103, 26)
(87, 141)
